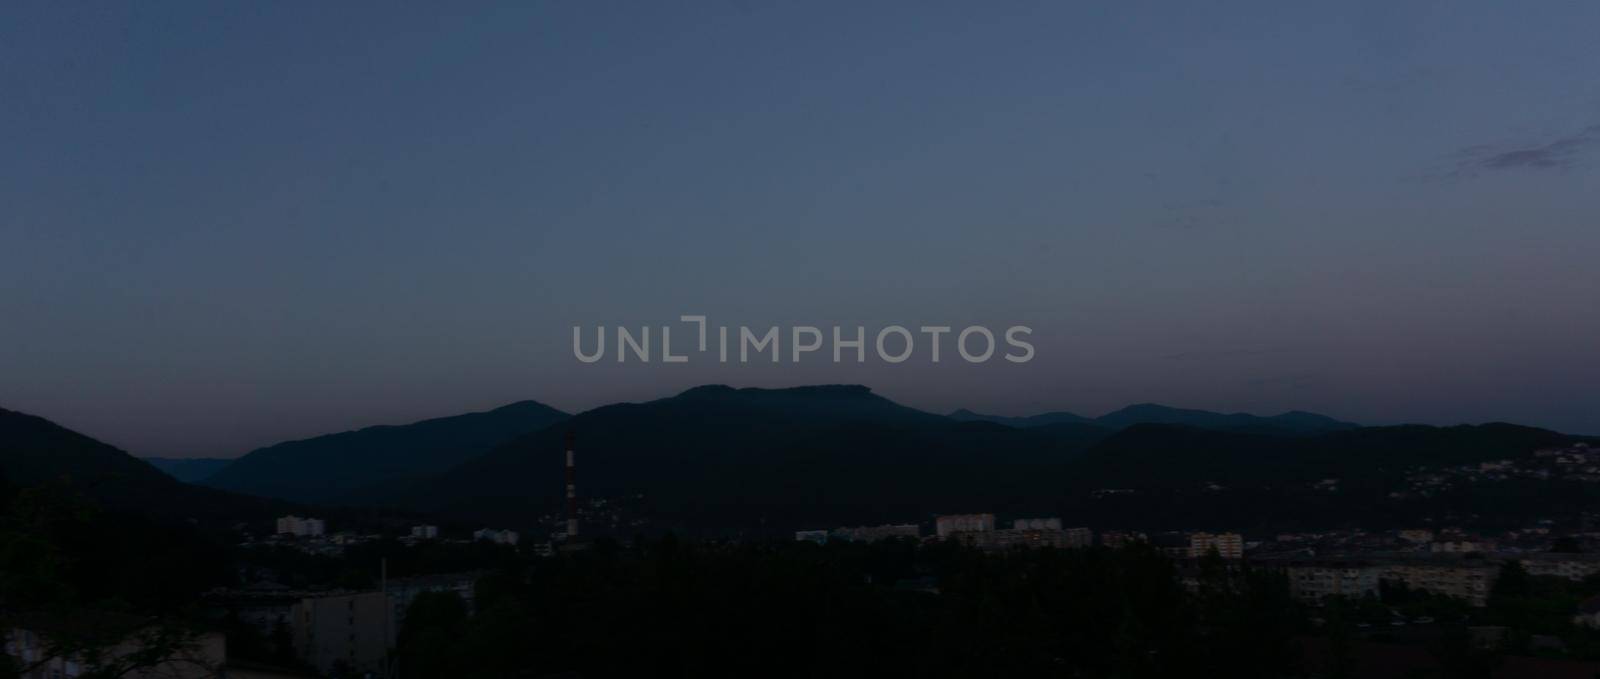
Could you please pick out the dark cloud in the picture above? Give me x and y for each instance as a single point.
(1559, 154)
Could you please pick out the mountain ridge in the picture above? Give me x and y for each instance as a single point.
(749, 459)
(36, 451)
(329, 467)
(687, 449)
(718, 459)
(188, 469)
(1289, 422)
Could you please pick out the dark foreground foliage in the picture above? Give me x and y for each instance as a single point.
(674, 609)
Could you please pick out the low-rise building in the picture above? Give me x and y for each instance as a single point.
(876, 533)
(1026, 537)
(1011, 538)
(812, 537)
(266, 606)
(1122, 538)
(354, 631)
(1461, 546)
(1227, 545)
(1313, 581)
(1416, 536)
(1077, 538)
(497, 536)
(1574, 567)
(947, 525)
(300, 527)
(1036, 524)
(1467, 581)
(402, 591)
(1172, 544)
(425, 532)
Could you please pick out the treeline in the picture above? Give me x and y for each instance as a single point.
(86, 579)
(61, 550)
(669, 608)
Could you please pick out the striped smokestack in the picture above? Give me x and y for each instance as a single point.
(572, 488)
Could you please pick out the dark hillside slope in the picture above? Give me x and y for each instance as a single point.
(35, 451)
(337, 468)
(748, 458)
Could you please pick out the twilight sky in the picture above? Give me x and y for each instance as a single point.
(225, 226)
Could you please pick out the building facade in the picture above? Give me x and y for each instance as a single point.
(1574, 567)
(1012, 538)
(876, 533)
(947, 525)
(1036, 524)
(349, 631)
(1077, 538)
(1470, 582)
(1228, 545)
(1312, 582)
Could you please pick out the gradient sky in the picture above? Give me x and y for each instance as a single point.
(227, 224)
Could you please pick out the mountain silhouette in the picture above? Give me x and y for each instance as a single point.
(1294, 422)
(337, 467)
(35, 451)
(188, 469)
(722, 460)
(746, 458)
(1039, 420)
(1291, 422)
